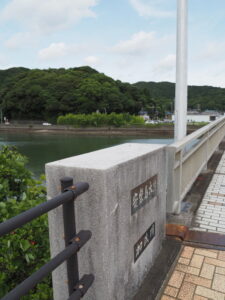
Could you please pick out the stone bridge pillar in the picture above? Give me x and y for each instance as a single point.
(125, 208)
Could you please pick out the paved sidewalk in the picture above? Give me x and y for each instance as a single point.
(199, 275)
(211, 214)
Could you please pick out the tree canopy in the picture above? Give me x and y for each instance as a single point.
(46, 94)
(199, 97)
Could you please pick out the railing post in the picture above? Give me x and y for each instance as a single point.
(179, 189)
(171, 200)
(69, 233)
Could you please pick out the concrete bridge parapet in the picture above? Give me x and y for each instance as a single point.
(187, 158)
(125, 208)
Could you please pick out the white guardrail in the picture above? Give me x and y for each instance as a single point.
(187, 158)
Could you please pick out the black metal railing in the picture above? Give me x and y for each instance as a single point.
(73, 242)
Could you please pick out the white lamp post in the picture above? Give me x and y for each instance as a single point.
(181, 71)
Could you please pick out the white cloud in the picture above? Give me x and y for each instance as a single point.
(141, 43)
(207, 75)
(65, 51)
(91, 60)
(4, 62)
(2, 59)
(138, 44)
(48, 15)
(167, 64)
(213, 50)
(21, 39)
(55, 50)
(150, 9)
(207, 64)
(140, 58)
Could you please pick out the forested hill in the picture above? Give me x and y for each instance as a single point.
(46, 94)
(199, 97)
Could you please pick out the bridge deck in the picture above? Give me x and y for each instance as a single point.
(198, 267)
(199, 273)
(210, 216)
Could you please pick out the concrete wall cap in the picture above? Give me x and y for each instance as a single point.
(108, 157)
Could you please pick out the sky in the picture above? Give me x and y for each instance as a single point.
(129, 40)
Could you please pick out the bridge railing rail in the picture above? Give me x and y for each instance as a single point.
(187, 158)
(73, 242)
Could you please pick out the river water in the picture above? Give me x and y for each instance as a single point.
(45, 147)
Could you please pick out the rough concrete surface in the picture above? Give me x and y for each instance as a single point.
(106, 210)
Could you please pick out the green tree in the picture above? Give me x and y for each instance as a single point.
(26, 249)
(47, 94)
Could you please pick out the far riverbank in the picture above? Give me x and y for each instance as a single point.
(163, 130)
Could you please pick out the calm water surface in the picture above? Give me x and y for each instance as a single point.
(43, 148)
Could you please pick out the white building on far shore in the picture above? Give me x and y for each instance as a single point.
(206, 116)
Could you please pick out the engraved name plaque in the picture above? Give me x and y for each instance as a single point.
(144, 241)
(143, 193)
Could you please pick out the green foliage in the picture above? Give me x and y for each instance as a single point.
(199, 97)
(14, 178)
(98, 119)
(26, 249)
(200, 124)
(46, 94)
(136, 120)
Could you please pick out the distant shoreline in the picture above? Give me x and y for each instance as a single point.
(163, 130)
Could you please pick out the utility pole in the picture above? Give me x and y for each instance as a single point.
(181, 71)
